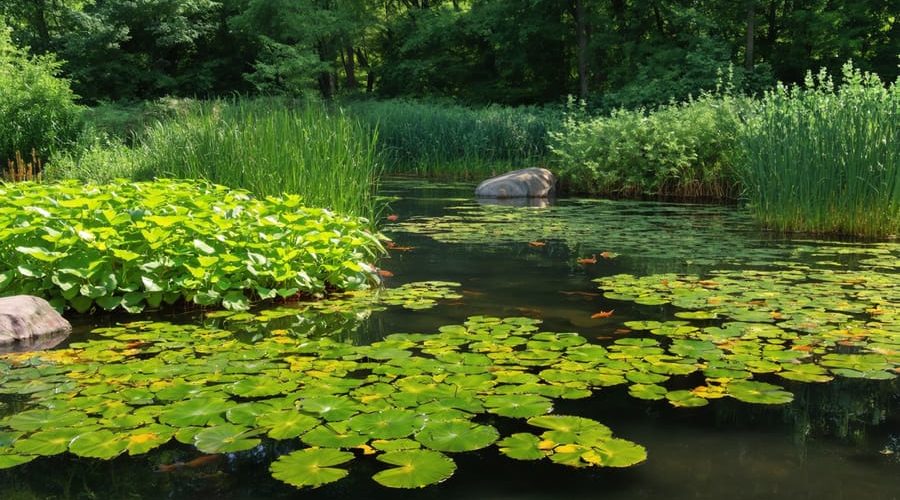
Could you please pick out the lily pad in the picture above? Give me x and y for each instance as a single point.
(311, 467)
(456, 436)
(415, 469)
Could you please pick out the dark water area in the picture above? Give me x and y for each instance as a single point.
(837, 440)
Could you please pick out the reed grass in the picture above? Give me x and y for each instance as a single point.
(455, 142)
(826, 159)
(265, 146)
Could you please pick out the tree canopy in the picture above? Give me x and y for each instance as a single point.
(613, 52)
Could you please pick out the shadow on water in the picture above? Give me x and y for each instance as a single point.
(838, 440)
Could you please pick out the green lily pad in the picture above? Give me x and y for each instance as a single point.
(415, 469)
(456, 436)
(98, 444)
(518, 406)
(200, 411)
(225, 438)
(386, 424)
(46, 443)
(521, 446)
(750, 391)
(286, 424)
(311, 467)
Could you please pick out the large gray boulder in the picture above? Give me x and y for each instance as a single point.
(27, 319)
(525, 183)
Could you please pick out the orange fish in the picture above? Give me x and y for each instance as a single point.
(588, 260)
(537, 243)
(384, 273)
(602, 314)
(393, 217)
(608, 255)
(622, 331)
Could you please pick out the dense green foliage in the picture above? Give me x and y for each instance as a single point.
(268, 147)
(454, 141)
(826, 158)
(613, 53)
(686, 149)
(133, 245)
(37, 107)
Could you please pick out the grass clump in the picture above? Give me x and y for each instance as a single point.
(685, 149)
(267, 147)
(456, 142)
(825, 158)
(133, 245)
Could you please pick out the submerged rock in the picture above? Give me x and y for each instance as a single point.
(27, 319)
(524, 183)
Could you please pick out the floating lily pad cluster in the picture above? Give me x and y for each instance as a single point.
(411, 400)
(136, 245)
(706, 235)
(338, 315)
(798, 323)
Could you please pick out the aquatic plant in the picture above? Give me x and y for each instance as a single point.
(826, 158)
(137, 245)
(411, 399)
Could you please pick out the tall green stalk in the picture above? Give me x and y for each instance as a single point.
(826, 159)
(269, 149)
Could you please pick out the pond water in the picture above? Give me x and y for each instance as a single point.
(838, 439)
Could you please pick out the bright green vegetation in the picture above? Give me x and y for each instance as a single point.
(826, 158)
(37, 107)
(451, 141)
(410, 399)
(689, 149)
(267, 147)
(478, 51)
(136, 245)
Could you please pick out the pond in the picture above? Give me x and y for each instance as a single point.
(747, 365)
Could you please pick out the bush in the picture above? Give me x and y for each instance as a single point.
(132, 245)
(686, 149)
(826, 158)
(449, 140)
(37, 106)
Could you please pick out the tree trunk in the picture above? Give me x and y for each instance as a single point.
(581, 26)
(748, 52)
(350, 69)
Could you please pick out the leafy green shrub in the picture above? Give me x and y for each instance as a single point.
(686, 149)
(133, 245)
(826, 158)
(37, 107)
(456, 141)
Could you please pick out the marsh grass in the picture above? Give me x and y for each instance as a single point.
(266, 146)
(826, 159)
(456, 142)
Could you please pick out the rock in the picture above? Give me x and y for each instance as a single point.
(525, 183)
(26, 319)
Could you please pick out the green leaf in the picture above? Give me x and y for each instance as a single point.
(311, 467)
(456, 436)
(98, 444)
(225, 438)
(415, 469)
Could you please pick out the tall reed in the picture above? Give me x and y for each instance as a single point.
(825, 158)
(269, 148)
(452, 141)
